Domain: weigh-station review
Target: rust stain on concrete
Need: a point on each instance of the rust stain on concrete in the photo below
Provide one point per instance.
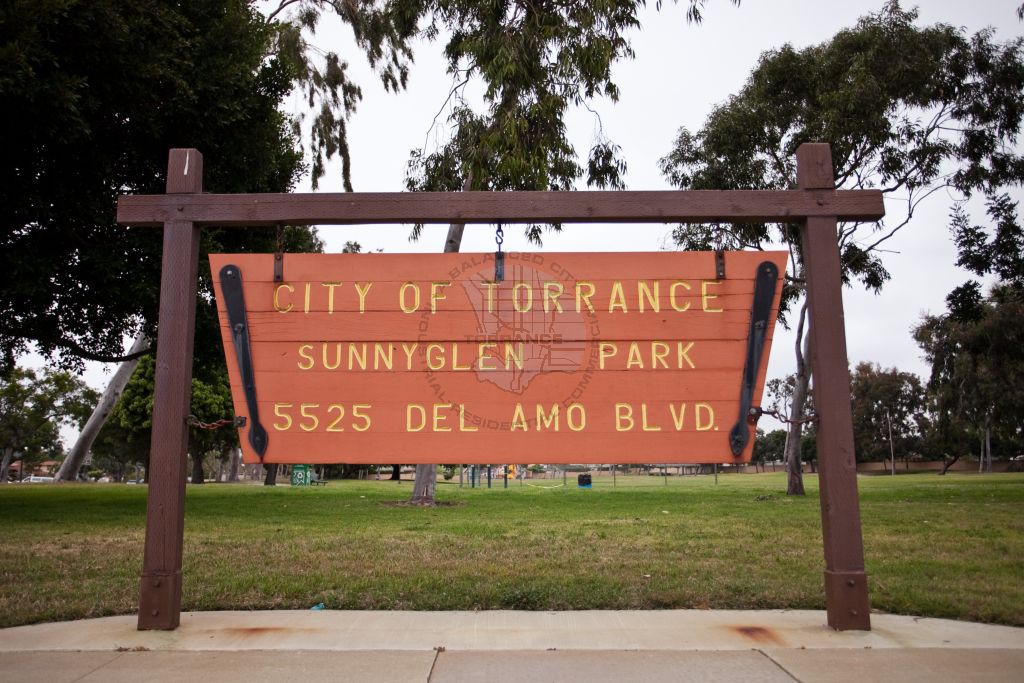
(758, 634)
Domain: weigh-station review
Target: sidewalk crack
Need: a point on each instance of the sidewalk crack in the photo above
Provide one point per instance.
(91, 672)
(781, 668)
(437, 653)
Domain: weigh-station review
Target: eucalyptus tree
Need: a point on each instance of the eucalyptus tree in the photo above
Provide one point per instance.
(910, 110)
(33, 407)
(977, 369)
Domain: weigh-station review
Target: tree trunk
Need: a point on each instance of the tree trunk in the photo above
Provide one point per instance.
(197, 470)
(5, 464)
(946, 465)
(794, 465)
(988, 449)
(236, 455)
(76, 456)
(426, 475)
(396, 473)
(424, 486)
(271, 479)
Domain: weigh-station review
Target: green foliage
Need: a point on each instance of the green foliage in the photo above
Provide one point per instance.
(882, 400)
(380, 30)
(536, 59)
(97, 92)
(1000, 255)
(33, 406)
(906, 109)
(125, 437)
(977, 369)
(769, 446)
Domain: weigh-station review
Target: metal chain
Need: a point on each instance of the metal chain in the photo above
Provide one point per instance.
(194, 421)
(499, 236)
(758, 412)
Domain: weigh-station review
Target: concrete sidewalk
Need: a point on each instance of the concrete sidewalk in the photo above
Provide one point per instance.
(598, 646)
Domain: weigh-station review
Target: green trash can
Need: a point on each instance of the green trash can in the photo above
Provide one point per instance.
(300, 475)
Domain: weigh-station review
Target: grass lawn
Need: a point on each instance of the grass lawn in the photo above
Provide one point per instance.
(948, 546)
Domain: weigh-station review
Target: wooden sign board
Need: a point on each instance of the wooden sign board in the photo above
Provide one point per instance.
(573, 357)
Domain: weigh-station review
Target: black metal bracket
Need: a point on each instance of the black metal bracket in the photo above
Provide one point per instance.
(719, 264)
(499, 266)
(234, 302)
(765, 282)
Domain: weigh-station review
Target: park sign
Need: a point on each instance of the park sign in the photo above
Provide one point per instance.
(543, 357)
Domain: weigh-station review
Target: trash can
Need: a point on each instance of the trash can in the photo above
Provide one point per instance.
(300, 475)
(583, 481)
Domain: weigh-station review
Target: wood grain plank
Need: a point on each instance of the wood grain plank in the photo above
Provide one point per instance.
(507, 207)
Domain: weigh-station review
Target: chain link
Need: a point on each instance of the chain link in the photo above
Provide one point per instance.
(758, 412)
(194, 421)
(499, 236)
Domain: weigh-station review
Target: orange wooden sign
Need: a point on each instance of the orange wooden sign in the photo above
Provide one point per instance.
(573, 357)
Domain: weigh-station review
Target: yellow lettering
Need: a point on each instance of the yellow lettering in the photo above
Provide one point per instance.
(357, 353)
(547, 419)
(455, 359)
(336, 425)
(363, 290)
(315, 422)
(439, 417)
(482, 355)
(415, 300)
(553, 290)
(439, 358)
(672, 296)
(287, 424)
(576, 417)
(518, 305)
(623, 417)
(643, 420)
(436, 294)
(379, 357)
(634, 356)
(330, 294)
(356, 407)
(618, 298)
(408, 354)
(491, 286)
(463, 427)
(653, 297)
(305, 356)
(337, 356)
(511, 355)
(659, 354)
(705, 296)
(518, 419)
(683, 353)
(305, 306)
(584, 298)
(677, 418)
(410, 408)
(277, 295)
(606, 350)
(709, 415)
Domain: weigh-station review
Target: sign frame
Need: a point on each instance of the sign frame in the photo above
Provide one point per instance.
(815, 204)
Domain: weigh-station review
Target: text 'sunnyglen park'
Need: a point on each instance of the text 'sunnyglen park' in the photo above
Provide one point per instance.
(612, 358)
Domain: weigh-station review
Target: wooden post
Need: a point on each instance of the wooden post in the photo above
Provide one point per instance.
(846, 589)
(160, 588)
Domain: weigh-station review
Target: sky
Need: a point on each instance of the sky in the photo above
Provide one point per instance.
(679, 73)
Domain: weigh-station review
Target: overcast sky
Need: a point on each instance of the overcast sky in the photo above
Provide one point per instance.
(680, 72)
